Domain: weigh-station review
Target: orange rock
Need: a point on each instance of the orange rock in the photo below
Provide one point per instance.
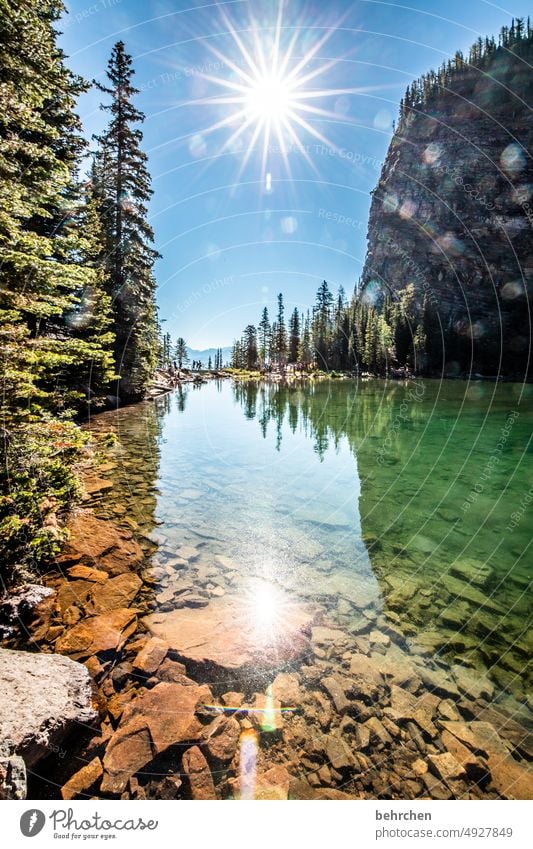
(116, 592)
(97, 542)
(83, 780)
(87, 573)
(198, 774)
(151, 655)
(98, 633)
(157, 719)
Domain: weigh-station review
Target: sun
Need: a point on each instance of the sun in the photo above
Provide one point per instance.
(269, 100)
(270, 92)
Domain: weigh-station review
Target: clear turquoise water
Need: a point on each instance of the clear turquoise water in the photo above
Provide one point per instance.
(411, 498)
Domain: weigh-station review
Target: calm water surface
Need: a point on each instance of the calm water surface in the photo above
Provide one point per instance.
(407, 502)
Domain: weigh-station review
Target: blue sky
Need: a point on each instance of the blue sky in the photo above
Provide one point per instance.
(233, 233)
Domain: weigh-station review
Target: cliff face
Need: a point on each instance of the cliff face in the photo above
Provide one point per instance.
(453, 210)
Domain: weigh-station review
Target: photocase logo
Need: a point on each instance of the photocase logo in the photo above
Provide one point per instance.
(32, 822)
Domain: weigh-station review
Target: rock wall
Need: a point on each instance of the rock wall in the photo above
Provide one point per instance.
(453, 210)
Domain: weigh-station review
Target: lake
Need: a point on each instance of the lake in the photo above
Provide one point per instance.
(392, 518)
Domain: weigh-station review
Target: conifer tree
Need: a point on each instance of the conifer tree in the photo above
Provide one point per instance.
(124, 191)
(265, 337)
(181, 354)
(41, 276)
(294, 336)
(279, 334)
(250, 346)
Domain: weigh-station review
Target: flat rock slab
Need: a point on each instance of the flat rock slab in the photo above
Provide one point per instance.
(235, 632)
(96, 542)
(98, 633)
(161, 717)
(42, 698)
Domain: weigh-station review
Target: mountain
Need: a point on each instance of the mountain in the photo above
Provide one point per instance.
(452, 213)
(204, 355)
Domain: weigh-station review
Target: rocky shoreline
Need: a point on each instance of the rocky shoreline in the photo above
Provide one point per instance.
(182, 696)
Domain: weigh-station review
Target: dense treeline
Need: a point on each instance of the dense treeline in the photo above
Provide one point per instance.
(77, 309)
(363, 334)
(458, 69)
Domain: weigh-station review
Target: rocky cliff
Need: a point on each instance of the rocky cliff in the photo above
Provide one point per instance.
(453, 210)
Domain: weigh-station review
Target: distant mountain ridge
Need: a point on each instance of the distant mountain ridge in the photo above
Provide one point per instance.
(203, 356)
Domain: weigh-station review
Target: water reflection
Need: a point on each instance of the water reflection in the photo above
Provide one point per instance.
(346, 495)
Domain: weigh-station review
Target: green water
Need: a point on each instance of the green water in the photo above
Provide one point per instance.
(407, 502)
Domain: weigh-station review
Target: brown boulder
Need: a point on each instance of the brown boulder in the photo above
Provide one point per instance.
(286, 689)
(82, 780)
(160, 718)
(151, 655)
(116, 592)
(129, 749)
(222, 738)
(88, 573)
(98, 633)
(96, 542)
(198, 774)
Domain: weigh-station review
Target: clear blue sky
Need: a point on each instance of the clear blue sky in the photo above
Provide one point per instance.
(233, 237)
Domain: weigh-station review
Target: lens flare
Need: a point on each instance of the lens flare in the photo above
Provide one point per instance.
(272, 93)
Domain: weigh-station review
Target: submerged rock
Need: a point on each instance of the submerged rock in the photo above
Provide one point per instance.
(161, 717)
(43, 698)
(234, 633)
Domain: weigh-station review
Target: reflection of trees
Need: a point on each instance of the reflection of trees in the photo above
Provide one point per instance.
(419, 455)
(137, 457)
(246, 395)
(181, 397)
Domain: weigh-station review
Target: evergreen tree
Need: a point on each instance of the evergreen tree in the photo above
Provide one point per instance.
(209, 364)
(123, 190)
(279, 334)
(43, 274)
(250, 346)
(306, 351)
(322, 325)
(181, 355)
(294, 336)
(265, 338)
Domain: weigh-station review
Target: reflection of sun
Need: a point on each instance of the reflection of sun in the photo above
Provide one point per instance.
(270, 91)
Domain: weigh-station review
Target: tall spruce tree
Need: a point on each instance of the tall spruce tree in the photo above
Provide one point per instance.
(265, 337)
(43, 274)
(294, 336)
(279, 334)
(123, 190)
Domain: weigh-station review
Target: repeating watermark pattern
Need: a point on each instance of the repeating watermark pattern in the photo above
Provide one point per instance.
(81, 16)
(207, 289)
(517, 515)
(414, 395)
(185, 72)
(491, 463)
(411, 267)
(335, 217)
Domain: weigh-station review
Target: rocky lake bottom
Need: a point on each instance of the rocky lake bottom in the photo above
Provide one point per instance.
(279, 593)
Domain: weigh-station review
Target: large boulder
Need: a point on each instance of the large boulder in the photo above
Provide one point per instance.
(43, 697)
